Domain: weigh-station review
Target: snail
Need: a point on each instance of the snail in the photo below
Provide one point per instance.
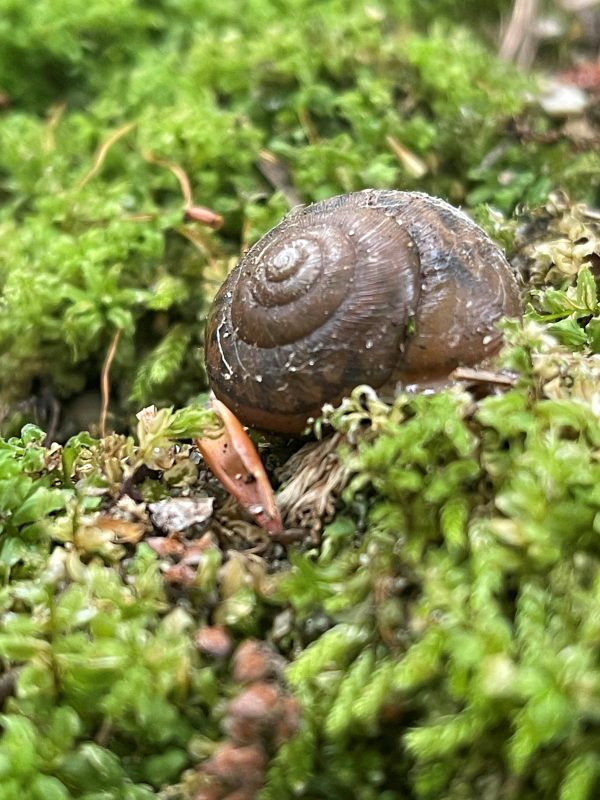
(378, 287)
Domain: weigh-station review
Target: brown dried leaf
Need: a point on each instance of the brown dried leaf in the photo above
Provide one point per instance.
(234, 460)
(122, 530)
(166, 547)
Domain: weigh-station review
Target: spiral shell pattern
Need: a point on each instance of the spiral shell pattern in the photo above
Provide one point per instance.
(373, 287)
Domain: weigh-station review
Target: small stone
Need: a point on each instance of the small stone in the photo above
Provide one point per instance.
(563, 100)
(179, 513)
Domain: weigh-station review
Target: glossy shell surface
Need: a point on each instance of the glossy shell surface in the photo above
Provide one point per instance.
(375, 287)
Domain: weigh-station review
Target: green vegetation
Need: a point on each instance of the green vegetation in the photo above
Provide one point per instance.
(463, 642)
(102, 97)
(442, 636)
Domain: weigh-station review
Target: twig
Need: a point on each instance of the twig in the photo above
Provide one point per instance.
(102, 152)
(278, 175)
(201, 214)
(578, 5)
(105, 384)
(519, 40)
(180, 174)
(54, 118)
(8, 684)
(104, 732)
(53, 421)
(475, 375)
(195, 238)
(308, 126)
(414, 165)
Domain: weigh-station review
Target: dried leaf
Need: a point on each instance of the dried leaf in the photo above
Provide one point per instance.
(166, 547)
(180, 574)
(146, 415)
(122, 530)
(233, 459)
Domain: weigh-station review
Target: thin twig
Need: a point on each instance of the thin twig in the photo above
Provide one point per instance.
(206, 216)
(104, 731)
(519, 40)
(56, 113)
(308, 126)
(278, 175)
(194, 238)
(105, 383)
(53, 421)
(475, 375)
(102, 152)
(180, 174)
(578, 5)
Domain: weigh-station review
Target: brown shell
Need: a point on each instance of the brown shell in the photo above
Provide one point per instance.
(375, 287)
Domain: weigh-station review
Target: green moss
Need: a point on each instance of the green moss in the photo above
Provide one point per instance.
(92, 235)
(443, 635)
(461, 634)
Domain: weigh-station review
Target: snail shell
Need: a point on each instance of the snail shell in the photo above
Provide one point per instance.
(375, 287)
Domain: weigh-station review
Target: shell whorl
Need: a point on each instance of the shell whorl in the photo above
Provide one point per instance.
(372, 287)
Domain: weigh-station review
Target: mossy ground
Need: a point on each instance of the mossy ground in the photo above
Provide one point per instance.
(441, 632)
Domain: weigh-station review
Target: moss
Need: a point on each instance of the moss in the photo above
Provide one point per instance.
(460, 634)
(441, 637)
(92, 229)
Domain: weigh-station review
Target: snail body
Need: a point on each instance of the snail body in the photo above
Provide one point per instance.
(377, 287)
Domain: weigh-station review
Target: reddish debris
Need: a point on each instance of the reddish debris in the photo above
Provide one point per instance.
(262, 712)
(180, 574)
(214, 641)
(585, 76)
(166, 547)
(211, 792)
(256, 661)
(289, 720)
(241, 794)
(238, 766)
(256, 722)
(204, 215)
(252, 714)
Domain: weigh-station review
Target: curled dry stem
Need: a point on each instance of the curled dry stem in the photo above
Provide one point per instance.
(201, 214)
(102, 152)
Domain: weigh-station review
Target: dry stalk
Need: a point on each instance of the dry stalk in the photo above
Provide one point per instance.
(315, 477)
